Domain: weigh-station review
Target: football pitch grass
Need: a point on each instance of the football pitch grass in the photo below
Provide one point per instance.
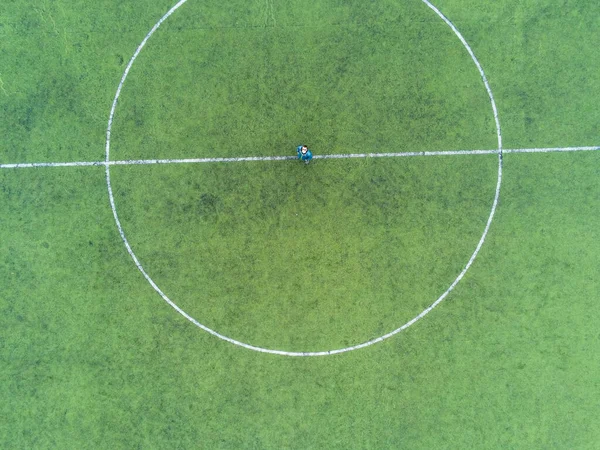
(279, 255)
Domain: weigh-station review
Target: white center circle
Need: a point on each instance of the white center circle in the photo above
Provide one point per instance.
(282, 352)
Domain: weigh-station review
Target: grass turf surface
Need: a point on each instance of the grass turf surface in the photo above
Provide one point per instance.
(90, 355)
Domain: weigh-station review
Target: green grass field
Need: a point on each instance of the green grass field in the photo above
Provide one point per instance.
(296, 258)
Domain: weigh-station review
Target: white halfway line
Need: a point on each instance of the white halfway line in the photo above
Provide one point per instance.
(287, 158)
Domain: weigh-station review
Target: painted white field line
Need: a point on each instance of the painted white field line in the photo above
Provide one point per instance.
(281, 352)
(50, 164)
(551, 149)
(289, 158)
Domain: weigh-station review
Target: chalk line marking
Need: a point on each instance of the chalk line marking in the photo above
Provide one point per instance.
(282, 352)
(289, 158)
